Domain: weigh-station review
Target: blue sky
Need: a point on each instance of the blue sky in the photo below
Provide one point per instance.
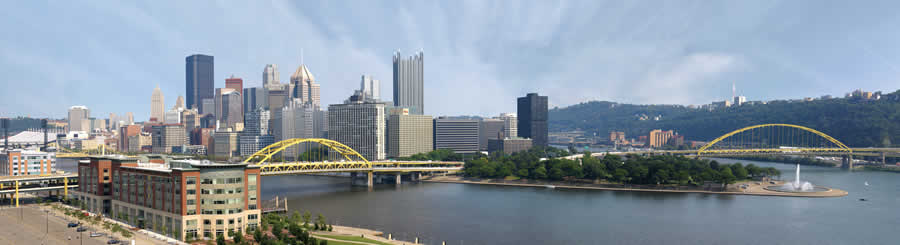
(479, 55)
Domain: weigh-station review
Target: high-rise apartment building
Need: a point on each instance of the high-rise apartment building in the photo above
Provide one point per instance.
(270, 74)
(199, 75)
(459, 135)
(157, 106)
(79, 118)
(165, 136)
(304, 86)
(181, 199)
(409, 134)
(370, 87)
(235, 83)
(409, 88)
(659, 138)
(532, 118)
(359, 125)
(490, 129)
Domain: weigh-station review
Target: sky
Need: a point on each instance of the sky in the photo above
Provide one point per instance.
(479, 55)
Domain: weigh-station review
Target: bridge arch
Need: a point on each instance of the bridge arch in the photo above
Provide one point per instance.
(838, 146)
(266, 153)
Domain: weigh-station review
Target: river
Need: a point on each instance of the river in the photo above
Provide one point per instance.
(477, 214)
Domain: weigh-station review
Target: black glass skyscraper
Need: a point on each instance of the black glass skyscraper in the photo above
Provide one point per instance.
(532, 113)
(198, 81)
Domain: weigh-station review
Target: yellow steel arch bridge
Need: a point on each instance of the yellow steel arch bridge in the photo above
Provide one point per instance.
(333, 156)
(776, 138)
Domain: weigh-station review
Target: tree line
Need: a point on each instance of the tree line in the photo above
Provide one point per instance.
(630, 169)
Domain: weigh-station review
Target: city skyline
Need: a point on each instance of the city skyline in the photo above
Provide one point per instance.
(691, 61)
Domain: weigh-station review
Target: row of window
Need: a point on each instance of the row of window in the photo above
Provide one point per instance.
(219, 181)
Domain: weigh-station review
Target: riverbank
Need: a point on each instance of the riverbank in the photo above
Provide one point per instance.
(754, 188)
(354, 235)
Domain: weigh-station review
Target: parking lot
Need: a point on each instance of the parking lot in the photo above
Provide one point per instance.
(31, 225)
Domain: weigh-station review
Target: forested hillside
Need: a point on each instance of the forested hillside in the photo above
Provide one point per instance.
(856, 122)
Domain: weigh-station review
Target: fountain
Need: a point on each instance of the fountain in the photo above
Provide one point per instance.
(797, 186)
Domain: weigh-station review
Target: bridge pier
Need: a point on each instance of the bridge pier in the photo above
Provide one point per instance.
(883, 159)
(847, 162)
(397, 181)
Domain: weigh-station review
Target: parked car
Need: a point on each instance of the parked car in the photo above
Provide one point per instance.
(113, 241)
(81, 229)
(73, 225)
(97, 234)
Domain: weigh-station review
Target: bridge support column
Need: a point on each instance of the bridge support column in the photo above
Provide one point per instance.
(65, 188)
(847, 162)
(883, 160)
(398, 178)
(17, 193)
(369, 178)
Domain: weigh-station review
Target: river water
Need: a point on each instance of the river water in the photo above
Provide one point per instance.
(478, 214)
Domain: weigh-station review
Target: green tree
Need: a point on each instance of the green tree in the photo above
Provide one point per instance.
(220, 240)
(238, 236)
(306, 218)
(726, 176)
(258, 236)
(556, 173)
(621, 175)
(540, 173)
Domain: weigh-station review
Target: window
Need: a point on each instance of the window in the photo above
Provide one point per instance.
(206, 222)
(192, 192)
(252, 217)
(191, 202)
(191, 180)
(219, 222)
(220, 191)
(191, 222)
(230, 221)
(206, 181)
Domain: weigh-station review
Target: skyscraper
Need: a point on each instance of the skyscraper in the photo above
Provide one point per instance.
(371, 87)
(532, 113)
(199, 72)
(409, 82)
(157, 106)
(304, 86)
(359, 125)
(409, 134)
(179, 103)
(489, 129)
(270, 74)
(232, 110)
(300, 120)
(235, 83)
(255, 98)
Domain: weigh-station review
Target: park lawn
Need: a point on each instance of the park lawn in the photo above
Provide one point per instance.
(351, 238)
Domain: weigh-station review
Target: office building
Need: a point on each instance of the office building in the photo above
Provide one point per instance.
(140, 142)
(98, 124)
(199, 75)
(18, 162)
(201, 136)
(532, 118)
(509, 145)
(157, 106)
(165, 136)
(370, 87)
(270, 74)
(124, 133)
(235, 83)
(181, 199)
(659, 138)
(409, 134)
(190, 120)
(277, 98)
(232, 110)
(304, 86)
(255, 98)
(256, 132)
(173, 116)
(79, 118)
(489, 129)
(409, 88)
(208, 107)
(179, 103)
(510, 124)
(459, 135)
(225, 144)
(129, 118)
(359, 125)
(301, 120)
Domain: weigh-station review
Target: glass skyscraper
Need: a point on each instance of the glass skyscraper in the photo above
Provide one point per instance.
(198, 81)
(409, 82)
(532, 113)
